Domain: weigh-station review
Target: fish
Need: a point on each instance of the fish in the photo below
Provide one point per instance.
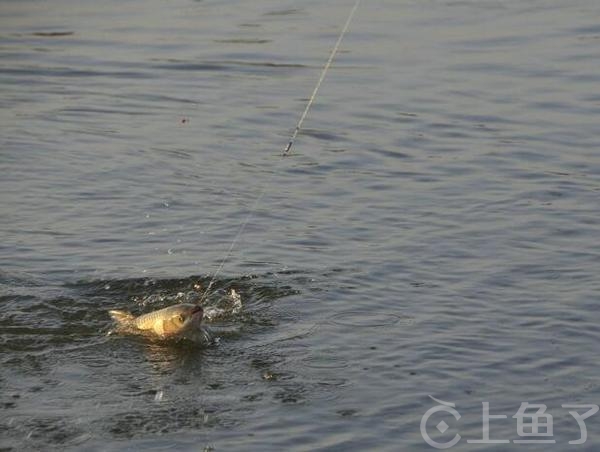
(180, 321)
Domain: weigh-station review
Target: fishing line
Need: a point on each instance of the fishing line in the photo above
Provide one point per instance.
(286, 150)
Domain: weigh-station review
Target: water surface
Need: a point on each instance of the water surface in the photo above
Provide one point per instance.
(434, 232)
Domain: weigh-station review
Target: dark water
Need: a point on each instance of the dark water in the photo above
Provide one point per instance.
(435, 231)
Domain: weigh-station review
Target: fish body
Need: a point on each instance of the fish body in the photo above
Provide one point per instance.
(177, 321)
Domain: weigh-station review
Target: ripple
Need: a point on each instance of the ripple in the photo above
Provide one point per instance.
(362, 319)
(242, 41)
(283, 12)
(53, 34)
(326, 360)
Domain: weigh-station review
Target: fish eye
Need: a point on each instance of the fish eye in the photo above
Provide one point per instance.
(181, 318)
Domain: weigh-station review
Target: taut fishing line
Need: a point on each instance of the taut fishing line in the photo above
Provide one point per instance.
(285, 152)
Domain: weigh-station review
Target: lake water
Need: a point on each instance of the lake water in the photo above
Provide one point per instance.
(434, 232)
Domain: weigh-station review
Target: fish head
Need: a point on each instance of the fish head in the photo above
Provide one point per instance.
(182, 318)
(197, 314)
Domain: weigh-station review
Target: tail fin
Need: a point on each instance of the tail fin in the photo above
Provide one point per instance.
(121, 317)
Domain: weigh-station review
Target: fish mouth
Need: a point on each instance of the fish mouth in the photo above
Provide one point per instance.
(197, 310)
